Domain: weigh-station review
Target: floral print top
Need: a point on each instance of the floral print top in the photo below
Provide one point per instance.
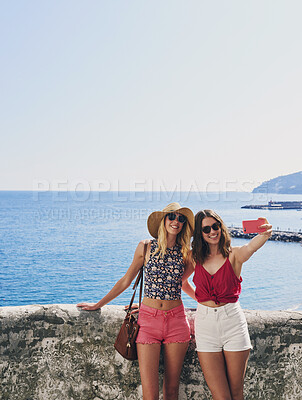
(163, 275)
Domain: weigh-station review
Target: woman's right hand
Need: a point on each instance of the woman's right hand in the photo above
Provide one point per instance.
(88, 306)
(122, 284)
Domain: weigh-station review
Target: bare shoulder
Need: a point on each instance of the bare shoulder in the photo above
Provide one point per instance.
(233, 253)
(235, 260)
(143, 242)
(234, 249)
(141, 246)
(139, 251)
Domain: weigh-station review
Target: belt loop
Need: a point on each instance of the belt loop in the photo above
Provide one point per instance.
(203, 309)
(225, 310)
(155, 312)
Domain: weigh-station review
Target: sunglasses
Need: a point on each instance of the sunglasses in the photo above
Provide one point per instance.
(180, 218)
(207, 229)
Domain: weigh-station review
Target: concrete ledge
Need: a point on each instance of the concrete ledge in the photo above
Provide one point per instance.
(57, 352)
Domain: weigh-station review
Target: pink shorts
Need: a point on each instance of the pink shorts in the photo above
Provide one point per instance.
(157, 326)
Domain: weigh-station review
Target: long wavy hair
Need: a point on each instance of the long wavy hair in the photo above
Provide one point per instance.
(200, 248)
(183, 239)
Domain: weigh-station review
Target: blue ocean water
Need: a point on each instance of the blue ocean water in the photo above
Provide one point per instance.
(67, 247)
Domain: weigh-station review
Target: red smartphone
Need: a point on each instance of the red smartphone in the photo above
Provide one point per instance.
(252, 226)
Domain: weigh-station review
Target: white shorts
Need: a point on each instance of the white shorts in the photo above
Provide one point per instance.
(221, 328)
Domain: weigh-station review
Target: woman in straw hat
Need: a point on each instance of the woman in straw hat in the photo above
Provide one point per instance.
(162, 318)
(222, 339)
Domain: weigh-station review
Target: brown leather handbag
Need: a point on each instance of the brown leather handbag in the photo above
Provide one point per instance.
(125, 341)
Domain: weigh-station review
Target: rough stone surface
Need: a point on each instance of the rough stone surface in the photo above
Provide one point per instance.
(57, 352)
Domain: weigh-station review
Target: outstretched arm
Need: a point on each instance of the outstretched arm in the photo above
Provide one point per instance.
(243, 253)
(123, 283)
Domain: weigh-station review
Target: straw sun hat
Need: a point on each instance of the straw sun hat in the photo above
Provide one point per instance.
(155, 218)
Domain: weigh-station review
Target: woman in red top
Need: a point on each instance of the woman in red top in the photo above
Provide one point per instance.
(222, 338)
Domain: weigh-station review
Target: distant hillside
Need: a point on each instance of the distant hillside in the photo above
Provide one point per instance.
(286, 184)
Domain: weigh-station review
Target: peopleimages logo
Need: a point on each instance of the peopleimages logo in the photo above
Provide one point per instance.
(140, 190)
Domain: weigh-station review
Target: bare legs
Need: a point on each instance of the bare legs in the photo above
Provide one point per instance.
(148, 358)
(224, 373)
(213, 368)
(174, 354)
(236, 362)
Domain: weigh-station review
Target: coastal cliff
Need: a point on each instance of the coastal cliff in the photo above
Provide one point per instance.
(58, 352)
(285, 184)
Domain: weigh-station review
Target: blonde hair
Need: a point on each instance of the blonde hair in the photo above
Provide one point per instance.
(183, 239)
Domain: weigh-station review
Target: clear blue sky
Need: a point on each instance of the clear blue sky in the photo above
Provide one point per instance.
(149, 93)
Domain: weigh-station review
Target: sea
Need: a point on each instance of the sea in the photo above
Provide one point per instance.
(70, 247)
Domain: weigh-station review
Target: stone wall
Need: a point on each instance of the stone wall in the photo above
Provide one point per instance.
(57, 352)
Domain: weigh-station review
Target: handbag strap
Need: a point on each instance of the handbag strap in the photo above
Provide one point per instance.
(139, 279)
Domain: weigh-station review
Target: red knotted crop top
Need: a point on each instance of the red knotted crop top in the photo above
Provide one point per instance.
(222, 287)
